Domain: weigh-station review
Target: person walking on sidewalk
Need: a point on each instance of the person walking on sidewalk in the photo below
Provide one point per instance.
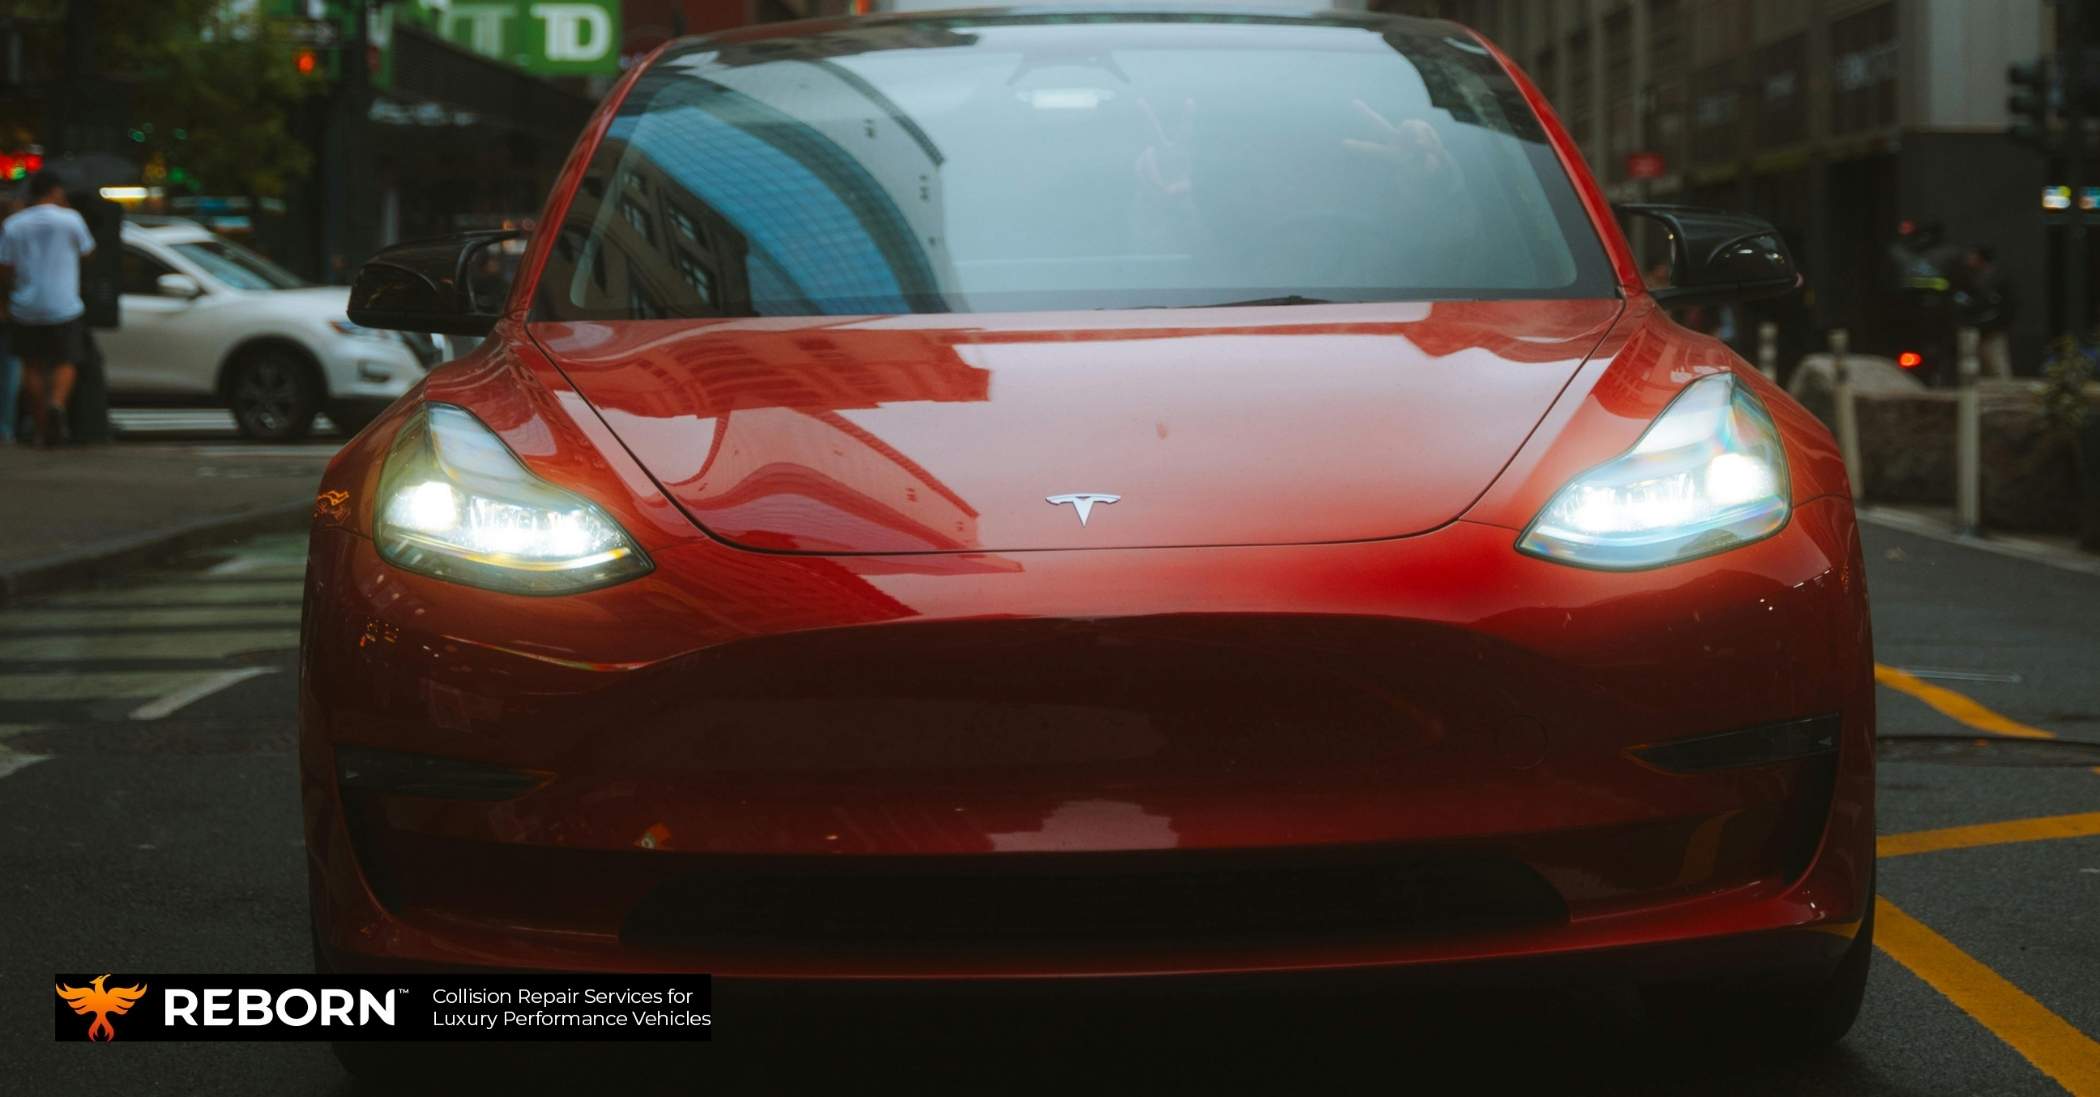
(10, 368)
(40, 252)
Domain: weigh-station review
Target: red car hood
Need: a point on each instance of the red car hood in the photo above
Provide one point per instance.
(948, 433)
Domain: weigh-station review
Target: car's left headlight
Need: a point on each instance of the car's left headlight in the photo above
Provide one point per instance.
(455, 503)
(1708, 475)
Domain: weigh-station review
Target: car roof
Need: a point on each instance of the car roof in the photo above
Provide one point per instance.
(167, 230)
(905, 11)
(1177, 7)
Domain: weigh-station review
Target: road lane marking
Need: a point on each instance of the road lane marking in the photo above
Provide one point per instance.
(2051, 1043)
(274, 593)
(2082, 825)
(92, 686)
(1951, 674)
(196, 691)
(1956, 705)
(58, 620)
(77, 647)
(15, 761)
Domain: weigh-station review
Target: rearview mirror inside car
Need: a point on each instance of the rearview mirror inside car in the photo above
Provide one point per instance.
(455, 285)
(1718, 257)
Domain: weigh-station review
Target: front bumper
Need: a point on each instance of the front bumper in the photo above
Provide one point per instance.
(783, 768)
(369, 372)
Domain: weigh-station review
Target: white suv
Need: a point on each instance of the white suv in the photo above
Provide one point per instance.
(205, 319)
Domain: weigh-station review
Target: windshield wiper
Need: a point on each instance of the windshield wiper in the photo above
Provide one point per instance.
(1258, 302)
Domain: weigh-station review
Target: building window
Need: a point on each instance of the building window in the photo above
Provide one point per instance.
(695, 275)
(683, 222)
(1777, 83)
(639, 218)
(1581, 88)
(1665, 75)
(640, 305)
(1717, 113)
(1863, 70)
(1621, 117)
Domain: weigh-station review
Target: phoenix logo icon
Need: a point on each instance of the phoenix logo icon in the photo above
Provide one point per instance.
(103, 1003)
(1083, 502)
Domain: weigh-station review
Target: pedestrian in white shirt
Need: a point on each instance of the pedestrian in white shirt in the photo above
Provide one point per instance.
(40, 252)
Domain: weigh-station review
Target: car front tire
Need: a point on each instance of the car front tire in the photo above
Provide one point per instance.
(273, 395)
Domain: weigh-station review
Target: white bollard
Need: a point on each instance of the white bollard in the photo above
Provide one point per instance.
(1968, 434)
(1768, 350)
(1847, 417)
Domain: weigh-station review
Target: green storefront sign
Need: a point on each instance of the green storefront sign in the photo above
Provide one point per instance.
(546, 37)
(542, 37)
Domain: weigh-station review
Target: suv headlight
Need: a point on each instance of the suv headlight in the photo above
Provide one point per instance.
(456, 504)
(359, 331)
(1708, 475)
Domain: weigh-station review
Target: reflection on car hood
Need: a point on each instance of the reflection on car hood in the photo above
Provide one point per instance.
(950, 433)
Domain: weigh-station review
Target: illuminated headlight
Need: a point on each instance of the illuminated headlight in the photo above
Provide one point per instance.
(1709, 475)
(454, 503)
(358, 331)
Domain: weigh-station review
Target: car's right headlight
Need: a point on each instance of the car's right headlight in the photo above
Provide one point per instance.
(455, 503)
(1708, 475)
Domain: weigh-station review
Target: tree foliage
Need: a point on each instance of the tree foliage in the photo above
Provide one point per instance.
(214, 90)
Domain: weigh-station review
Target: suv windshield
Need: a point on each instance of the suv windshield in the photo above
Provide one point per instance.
(993, 163)
(237, 266)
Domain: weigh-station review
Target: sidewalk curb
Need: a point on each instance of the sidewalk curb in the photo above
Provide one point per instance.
(2018, 548)
(74, 567)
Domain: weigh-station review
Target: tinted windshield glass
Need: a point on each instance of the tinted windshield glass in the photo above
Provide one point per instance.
(987, 164)
(237, 266)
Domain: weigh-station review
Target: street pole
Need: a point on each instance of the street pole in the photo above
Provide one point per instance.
(2071, 64)
(347, 166)
(1968, 435)
(1844, 412)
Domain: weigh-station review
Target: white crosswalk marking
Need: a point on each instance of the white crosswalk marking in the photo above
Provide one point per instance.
(196, 690)
(163, 594)
(12, 760)
(187, 421)
(146, 650)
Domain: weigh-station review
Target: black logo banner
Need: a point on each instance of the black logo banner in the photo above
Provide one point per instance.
(539, 1006)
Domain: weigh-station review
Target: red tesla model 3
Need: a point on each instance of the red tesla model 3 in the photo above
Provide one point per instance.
(1065, 494)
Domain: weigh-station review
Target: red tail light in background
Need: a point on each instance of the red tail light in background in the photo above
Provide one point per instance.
(1910, 359)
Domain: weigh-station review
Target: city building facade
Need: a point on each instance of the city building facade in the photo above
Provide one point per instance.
(1845, 122)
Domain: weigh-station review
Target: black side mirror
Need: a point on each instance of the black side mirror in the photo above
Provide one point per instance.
(450, 286)
(1717, 257)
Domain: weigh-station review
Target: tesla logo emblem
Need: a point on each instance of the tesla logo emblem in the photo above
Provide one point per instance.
(1083, 502)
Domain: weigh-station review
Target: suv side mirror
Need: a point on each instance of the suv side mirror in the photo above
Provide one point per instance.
(178, 285)
(445, 286)
(1717, 257)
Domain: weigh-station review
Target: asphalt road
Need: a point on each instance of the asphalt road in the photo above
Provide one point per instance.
(149, 822)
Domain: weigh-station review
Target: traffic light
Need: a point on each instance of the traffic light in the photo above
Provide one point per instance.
(2028, 102)
(307, 62)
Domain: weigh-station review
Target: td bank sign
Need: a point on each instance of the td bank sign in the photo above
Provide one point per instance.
(549, 37)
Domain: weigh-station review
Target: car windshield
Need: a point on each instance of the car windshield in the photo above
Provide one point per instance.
(236, 266)
(996, 163)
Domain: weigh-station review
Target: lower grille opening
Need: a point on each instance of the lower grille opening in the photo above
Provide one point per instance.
(1091, 897)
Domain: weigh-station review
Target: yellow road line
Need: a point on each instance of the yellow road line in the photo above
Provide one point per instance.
(1955, 705)
(2049, 1042)
(2083, 825)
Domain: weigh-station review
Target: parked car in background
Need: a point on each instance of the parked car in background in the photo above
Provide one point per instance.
(208, 321)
